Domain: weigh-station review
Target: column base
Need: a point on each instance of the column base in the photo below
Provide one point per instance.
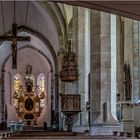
(105, 129)
(128, 126)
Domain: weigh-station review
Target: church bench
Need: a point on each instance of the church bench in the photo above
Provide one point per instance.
(115, 133)
(122, 133)
(4, 134)
(137, 134)
(128, 134)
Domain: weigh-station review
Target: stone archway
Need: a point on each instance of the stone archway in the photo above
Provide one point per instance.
(50, 73)
(53, 71)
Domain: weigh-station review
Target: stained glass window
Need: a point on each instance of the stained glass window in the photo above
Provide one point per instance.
(41, 84)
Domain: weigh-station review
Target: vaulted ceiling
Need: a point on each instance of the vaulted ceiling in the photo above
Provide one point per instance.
(38, 19)
(48, 21)
(41, 20)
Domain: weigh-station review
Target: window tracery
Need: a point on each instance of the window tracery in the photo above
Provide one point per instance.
(41, 85)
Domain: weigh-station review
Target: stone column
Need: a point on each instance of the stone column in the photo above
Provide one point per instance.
(120, 58)
(72, 87)
(52, 92)
(82, 47)
(128, 47)
(56, 92)
(101, 74)
(95, 81)
(128, 118)
(2, 96)
(136, 60)
(48, 98)
(61, 53)
(105, 69)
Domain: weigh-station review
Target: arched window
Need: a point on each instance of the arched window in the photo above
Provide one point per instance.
(41, 84)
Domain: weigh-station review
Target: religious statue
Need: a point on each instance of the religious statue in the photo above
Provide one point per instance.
(14, 55)
(14, 38)
(29, 105)
(70, 106)
(70, 102)
(127, 82)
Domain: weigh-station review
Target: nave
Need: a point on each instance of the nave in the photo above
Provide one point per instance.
(71, 68)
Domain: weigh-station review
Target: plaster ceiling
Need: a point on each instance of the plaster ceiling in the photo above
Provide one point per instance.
(38, 19)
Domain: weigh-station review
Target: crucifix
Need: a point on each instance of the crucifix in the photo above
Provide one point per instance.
(14, 38)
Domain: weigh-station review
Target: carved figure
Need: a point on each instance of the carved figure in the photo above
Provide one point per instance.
(127, 82)
(14, 55)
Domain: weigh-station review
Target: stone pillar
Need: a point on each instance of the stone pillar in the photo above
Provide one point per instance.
(48, 98)
(136, 61)
(100, 83)
(72, 87)
(95, 82)
(82, 47)
(105, 69)
(128, 47)
(2, 96)
(52, 94)
(61, 53)
(120, 58)
(128, 118)
(81, 44)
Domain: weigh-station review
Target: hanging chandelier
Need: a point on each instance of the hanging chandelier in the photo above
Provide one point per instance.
(69, 72)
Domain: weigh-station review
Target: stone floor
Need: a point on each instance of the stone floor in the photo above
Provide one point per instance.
(70, 138)
(62, 135)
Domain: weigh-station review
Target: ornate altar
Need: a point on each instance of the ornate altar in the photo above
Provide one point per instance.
(28, 105)
(70, 106)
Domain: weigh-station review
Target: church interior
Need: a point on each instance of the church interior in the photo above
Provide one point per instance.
(70, 67)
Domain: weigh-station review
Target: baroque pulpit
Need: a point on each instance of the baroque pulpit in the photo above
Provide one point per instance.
(70, 106)
(70, 103)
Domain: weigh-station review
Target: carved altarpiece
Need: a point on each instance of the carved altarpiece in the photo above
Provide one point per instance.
(28, 100)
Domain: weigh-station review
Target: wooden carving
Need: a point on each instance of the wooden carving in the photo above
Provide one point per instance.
(70, 106)
(69, 72)
(70, 102)
(14, 38)
(127, 82)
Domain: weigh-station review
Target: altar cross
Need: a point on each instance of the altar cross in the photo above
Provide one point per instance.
(14, 38)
